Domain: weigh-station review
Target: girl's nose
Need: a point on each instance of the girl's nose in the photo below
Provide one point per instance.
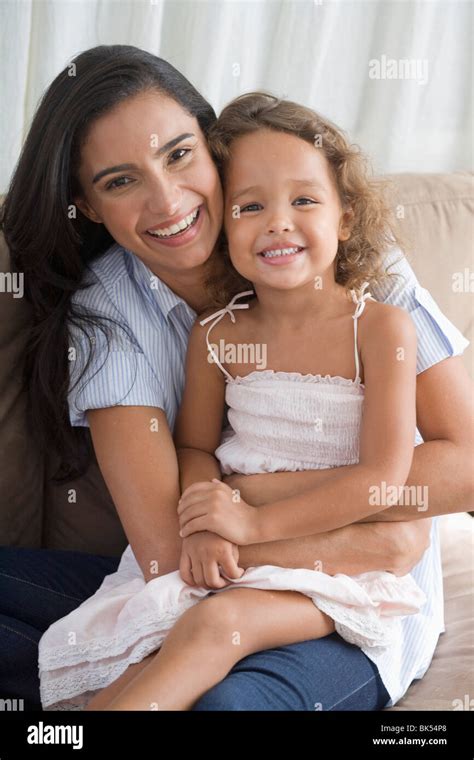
(278, 225)
(279, 221)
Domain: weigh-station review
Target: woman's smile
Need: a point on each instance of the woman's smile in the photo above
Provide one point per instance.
(178, 233)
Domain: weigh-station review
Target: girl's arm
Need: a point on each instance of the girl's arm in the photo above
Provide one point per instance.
(388, 351)
(139, 465)
(443, 463)
(198, 426)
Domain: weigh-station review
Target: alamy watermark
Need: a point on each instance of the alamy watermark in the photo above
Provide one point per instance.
(238, 353)
(407, 496)
(402, 68)
(12, 282)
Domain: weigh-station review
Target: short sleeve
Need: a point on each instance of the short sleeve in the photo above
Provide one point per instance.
(437, 337)
(117, 373)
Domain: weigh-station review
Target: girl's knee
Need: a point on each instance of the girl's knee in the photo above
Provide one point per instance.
(216, 616)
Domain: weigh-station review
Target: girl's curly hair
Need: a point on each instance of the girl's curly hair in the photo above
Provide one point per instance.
(358, 259)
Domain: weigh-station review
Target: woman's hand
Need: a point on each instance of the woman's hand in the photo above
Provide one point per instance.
(201, 555)
(215, 507)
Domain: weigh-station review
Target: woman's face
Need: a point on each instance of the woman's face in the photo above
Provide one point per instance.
(147, 175)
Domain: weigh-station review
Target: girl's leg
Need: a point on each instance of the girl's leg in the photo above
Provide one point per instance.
(105, 696)
(207, 641)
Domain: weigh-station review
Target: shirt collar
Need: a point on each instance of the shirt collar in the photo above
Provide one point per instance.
(166, 300)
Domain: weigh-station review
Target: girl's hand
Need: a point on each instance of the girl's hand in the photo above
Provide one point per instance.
(201, 555)
(215, 507)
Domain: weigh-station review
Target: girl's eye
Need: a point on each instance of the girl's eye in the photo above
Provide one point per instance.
(118, 182)
(249, 207)
(179, 153)
(306, 201)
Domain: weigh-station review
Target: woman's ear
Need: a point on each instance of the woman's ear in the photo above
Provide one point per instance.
(345, 224)
(87, 210)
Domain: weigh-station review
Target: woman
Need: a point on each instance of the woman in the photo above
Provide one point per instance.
(116, 163)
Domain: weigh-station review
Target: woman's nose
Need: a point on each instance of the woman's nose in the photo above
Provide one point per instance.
(163, 197)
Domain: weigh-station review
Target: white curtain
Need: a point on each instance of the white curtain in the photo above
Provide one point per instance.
(394, 74)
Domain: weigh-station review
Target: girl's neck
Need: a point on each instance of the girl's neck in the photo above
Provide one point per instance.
(290, 309)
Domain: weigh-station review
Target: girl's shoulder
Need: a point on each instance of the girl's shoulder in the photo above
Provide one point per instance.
(381, 321)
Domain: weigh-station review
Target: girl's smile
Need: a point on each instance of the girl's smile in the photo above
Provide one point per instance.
(281, 253)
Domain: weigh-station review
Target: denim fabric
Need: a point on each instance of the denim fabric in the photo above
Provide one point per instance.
(38, 586)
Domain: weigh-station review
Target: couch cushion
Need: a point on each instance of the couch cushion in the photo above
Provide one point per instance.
(448, 683)
(22, 465)
(434, 213)
(80, 515)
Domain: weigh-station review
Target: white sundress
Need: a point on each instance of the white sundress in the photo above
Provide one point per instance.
(274, 426)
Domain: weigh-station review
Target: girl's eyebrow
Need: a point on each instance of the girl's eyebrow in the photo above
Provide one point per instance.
(159, 152)
(310, 182)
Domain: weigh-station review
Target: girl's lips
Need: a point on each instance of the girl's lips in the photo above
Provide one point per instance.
(181, 238)
(281, 260)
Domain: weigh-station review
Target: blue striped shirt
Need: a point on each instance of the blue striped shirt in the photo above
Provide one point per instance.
(145, 367)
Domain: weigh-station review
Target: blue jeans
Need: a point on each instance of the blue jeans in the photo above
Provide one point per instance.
(39, 586)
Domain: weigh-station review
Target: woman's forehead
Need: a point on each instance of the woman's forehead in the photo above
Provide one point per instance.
(146, 118)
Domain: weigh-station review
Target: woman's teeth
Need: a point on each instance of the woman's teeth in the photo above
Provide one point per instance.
(280, 252)
(175, 228)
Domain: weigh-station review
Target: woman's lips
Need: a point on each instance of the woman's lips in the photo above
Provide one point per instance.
(181, 238)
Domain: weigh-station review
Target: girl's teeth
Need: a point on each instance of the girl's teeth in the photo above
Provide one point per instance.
(182, 225)
(280, 252)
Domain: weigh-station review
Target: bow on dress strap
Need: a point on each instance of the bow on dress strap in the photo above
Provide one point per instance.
(217, 316)
(360, 300)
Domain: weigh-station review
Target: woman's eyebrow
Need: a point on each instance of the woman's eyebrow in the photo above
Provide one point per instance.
(159, 152)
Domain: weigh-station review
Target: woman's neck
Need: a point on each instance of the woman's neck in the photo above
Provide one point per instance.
(188, 285)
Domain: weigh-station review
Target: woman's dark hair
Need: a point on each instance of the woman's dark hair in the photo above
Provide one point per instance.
(53, 250)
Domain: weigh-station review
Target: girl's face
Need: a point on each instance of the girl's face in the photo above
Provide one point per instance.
(283, 217)
(146, 174)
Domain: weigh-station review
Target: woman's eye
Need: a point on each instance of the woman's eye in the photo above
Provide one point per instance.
(305, 201)
(176, 155)
(250, 207)
(119, 182)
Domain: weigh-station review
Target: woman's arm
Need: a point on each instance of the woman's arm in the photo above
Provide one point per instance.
(137, 458)
(393, 546)
(445, 411)
(198, 426)
(141, 472)
(388, 350)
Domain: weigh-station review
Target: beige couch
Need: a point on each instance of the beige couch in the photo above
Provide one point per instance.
(435, 213)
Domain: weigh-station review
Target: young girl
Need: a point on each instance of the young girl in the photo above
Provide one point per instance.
(316, 375)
